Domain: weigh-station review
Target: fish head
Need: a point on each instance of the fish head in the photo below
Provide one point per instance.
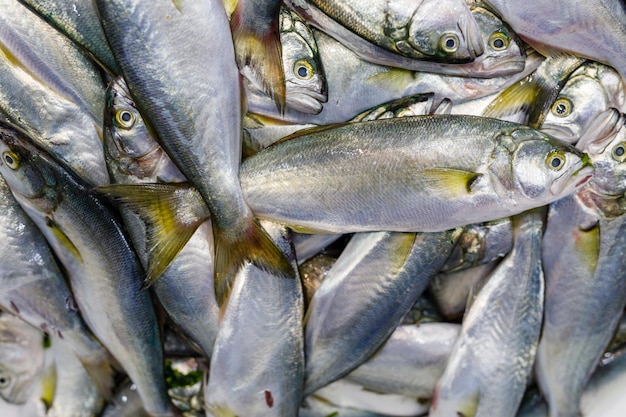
(21, 359)
(21, 167)
(504, 52)
(536, 169)
(445, 30)
(305, 83)
(129, 145)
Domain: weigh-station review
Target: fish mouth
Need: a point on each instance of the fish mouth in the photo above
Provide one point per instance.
(495, 66)
(306, 101)
(568, 183)
(564, 133)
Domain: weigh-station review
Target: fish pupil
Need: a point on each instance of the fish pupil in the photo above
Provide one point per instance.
(498, 43)
(561, 108)
(556, 162)
(303, 72)
(450, 43)
(10, 161)
(126, 116)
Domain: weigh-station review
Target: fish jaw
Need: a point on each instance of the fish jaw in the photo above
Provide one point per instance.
(568, 184)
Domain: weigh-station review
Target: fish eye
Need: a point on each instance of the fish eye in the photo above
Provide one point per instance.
(449, 43)
(498, 41)
(619, 152)
(562, 107)
(555, 160)
(5, 381)
(303, 69)
(124, 118)
(11, 159)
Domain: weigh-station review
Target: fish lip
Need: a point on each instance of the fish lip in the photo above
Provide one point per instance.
(576, 180)
(306, 103)
(562, 132)
(493, 66)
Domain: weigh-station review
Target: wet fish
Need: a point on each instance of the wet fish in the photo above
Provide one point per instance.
(185, 289)
(203, 141)
(426, 30)
(493, 356)
(364, 297)
(258, 361)
(104, 273)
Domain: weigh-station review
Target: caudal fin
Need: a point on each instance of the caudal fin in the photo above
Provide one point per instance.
(259, 53)
(171, 213)
(253, 245)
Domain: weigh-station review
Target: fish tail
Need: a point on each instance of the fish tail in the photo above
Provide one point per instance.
(260, 53)
(255, 246)
(171, 213)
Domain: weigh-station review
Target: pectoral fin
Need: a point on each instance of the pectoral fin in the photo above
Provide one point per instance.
(63, 239)
(449, 183)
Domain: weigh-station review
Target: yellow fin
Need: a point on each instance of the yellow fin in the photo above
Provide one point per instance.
(48, 385)
(171, 213)
(587, 244)
(451, 183)
(260, 52)
(520, 96)
(229, 6)
(63, 239)
(394, 79)
(252, 245)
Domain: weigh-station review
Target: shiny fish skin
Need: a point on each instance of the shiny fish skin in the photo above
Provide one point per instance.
(257, 365)
(364, 297)
(493, 357)
(150, 41)
(405, 191)
(104, 273)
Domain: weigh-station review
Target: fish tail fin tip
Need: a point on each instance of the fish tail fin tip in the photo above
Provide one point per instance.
(260, 57)
(255, 247)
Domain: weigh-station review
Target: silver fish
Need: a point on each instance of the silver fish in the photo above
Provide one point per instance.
(257, 365)
(493, 356)
(149, 42)
(445, 171)
(103, 270)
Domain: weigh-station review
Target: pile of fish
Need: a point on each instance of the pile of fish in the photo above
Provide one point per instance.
(311, 207)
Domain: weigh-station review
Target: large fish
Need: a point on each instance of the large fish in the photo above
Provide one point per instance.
(104, 272)
(591, 29)
(181, 76)
(493, 357)
(185, 289)
(585, 283)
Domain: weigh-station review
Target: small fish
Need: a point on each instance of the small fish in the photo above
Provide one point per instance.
(21, 359)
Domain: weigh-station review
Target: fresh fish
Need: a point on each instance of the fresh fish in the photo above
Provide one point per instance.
(149, 41)
(590, 90)
(585, 287)
(493, 357)
(104, 273)
(21, 359)
(75, 393)
(257, 365)
(441, 31)
(79, 21)
(34, 289)
(185, 289)
(51, 90)
(258, 50)
(364, 297)
(410, 362)
(423, 173)
(590, 29)
(305, 83)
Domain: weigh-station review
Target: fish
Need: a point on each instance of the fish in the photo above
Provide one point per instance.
(578, 27)
(21, 359)
(425, 30)
(493, 356)
(105, 275)
(185, 289)
(258, 363)
(376, 280)
(203, 141)
(585, 292)
(35, 290)
(79, 21)
(305, 82)
(439, 164)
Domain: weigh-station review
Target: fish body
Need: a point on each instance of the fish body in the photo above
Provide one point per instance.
(80, 22)
(163, 49)
(493, 357)
(366, 293)
(258, 361)
(104, 273)
(185, 289)
(585, 289)
(405, 174)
